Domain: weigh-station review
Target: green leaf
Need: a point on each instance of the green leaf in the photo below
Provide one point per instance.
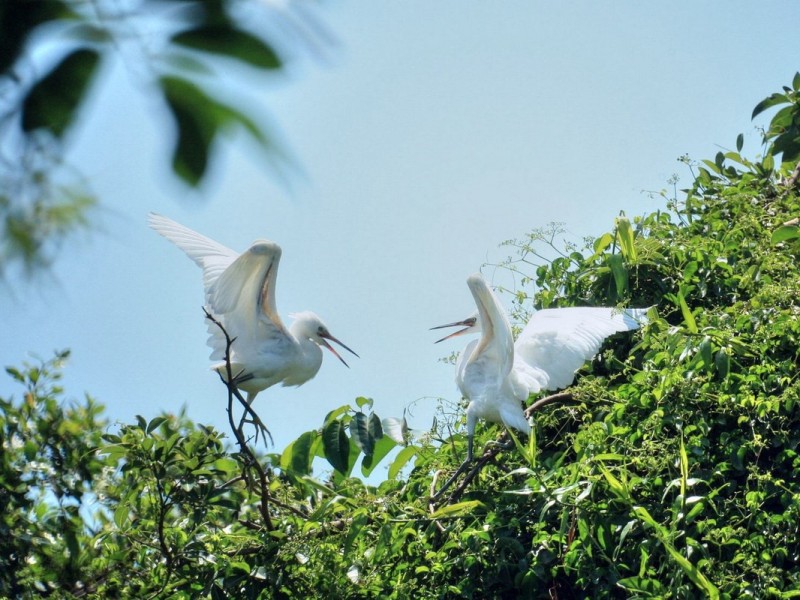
(691, 571)
(616, 262)
(460, 508)
(359, 431)
(154, 424)
(194, 114)
(401, 459)
(53, 101)
(688, 317)
(771, 100)
(336, 445)
(122, 515)
(361, 402)
(651, 588)
(382, 447)
(603, 242)
(226, 40)
(785, 233)
(374, 426)
(336, 413)
(739, 142)
(297, 456)
(626, 238)
(722, 361)
(705, 353)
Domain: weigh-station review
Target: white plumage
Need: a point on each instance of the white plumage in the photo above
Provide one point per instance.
(496, 374)
(240, 294)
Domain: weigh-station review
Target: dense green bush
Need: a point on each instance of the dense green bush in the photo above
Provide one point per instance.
(671, 469)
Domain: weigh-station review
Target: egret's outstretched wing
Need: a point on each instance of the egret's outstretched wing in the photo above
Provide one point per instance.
(557, 342)
(211, 256)
(244, 295)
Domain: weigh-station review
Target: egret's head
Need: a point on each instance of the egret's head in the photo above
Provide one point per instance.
(471, 324)
(310, 326)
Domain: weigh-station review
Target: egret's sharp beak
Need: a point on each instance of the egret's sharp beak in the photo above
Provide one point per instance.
(467, 324)
(335, 353)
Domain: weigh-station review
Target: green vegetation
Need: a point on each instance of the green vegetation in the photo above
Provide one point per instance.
(671, 469)
(52, 57)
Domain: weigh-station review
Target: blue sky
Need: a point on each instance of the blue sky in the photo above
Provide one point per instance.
(431, 133)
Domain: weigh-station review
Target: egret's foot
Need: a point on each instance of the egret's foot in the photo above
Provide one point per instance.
(507, 445)
(259, 426)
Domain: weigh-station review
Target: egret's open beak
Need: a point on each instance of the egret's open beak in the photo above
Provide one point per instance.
(467, 324)
(335, 353)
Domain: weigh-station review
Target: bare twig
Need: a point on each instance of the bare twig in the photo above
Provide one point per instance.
(250, 459)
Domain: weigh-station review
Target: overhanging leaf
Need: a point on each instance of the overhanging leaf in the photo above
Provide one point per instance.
(195, 116)
(53, 101)
(226, 40)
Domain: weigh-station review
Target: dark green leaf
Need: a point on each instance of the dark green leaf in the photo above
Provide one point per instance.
(226, 40)
(336, 445)
(301, 458)
(739, 142)
(53, 101)
(195, 116)
(374, 426)
(155, 423)
(359, 431)
(768, 102)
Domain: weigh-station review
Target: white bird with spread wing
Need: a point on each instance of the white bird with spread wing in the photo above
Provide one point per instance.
(496, 374)
(240, 294)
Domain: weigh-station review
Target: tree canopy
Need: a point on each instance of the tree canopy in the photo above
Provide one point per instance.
(671, 469)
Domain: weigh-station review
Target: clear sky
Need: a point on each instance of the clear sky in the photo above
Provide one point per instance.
(432, 132)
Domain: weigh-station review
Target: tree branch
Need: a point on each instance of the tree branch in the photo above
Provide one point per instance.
(250, 459)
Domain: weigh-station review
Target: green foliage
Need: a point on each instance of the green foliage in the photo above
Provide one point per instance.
(672, 472)
(182, 53)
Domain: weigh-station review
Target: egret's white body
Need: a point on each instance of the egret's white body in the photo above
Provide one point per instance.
(240, 294)
(497, 374)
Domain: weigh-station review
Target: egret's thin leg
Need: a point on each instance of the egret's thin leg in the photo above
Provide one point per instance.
(463, 467)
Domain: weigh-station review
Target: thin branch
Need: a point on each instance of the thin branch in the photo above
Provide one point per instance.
(246, 452)
(492, 451)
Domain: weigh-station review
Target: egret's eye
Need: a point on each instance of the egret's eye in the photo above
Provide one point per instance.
(321, 331)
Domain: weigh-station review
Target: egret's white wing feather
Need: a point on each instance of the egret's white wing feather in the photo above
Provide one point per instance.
(209, 255)
(557, 342)
(244, 295)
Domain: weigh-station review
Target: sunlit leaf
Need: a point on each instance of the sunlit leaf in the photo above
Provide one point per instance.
(459, 508)
(401, 459)
(382, 447)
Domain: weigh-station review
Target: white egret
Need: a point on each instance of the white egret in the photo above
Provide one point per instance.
(240, 294)
(496, 374)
